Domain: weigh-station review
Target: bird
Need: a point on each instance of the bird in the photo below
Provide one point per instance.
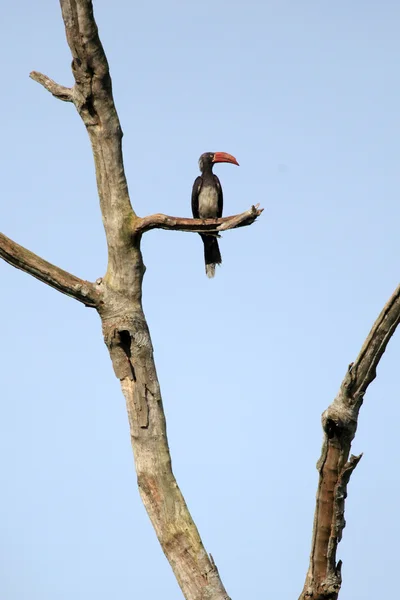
(207, 203)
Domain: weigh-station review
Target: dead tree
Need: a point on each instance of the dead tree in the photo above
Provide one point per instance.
(335, 465)
(117, 297)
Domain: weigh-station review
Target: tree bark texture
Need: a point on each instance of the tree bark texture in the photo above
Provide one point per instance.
(339, 423)
(118, 299)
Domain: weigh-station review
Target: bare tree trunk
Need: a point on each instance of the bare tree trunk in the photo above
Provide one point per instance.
(118, 299)
(339, 423)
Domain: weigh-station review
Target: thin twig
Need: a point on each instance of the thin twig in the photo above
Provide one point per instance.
(59, 91)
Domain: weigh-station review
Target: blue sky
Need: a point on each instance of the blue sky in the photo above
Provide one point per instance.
(306, 96)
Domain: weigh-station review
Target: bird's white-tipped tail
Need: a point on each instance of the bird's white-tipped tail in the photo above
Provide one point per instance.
(212, 255)
(210, 270)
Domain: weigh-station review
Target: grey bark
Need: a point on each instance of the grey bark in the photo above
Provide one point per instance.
(335, 466)
(118, 299)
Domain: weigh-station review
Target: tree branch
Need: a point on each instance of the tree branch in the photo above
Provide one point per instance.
(58, 91)
(64, 282)
(215, 226)
(339, 423)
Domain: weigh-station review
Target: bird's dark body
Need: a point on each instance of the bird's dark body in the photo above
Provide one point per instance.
(207, 197)
(207, 203)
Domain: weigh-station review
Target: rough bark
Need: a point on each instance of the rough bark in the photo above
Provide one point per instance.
(64, 282)
(118, 299)
(160, 221)
(339, 423)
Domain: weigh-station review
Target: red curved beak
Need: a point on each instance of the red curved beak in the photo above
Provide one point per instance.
(224, 157)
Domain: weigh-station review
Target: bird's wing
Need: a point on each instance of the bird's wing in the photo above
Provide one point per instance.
(195, 196)
(220, 197)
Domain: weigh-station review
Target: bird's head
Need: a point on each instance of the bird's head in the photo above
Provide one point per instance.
(208, 159)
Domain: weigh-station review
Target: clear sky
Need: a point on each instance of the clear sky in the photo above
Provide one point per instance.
(306, 95)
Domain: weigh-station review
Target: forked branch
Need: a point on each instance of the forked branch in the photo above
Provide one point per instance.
(64, 282)
(160, 221)
(339, 423)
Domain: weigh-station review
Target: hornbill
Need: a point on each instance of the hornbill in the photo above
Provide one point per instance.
(207, 203)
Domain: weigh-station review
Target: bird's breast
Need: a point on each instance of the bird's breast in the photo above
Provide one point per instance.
(208, 202)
